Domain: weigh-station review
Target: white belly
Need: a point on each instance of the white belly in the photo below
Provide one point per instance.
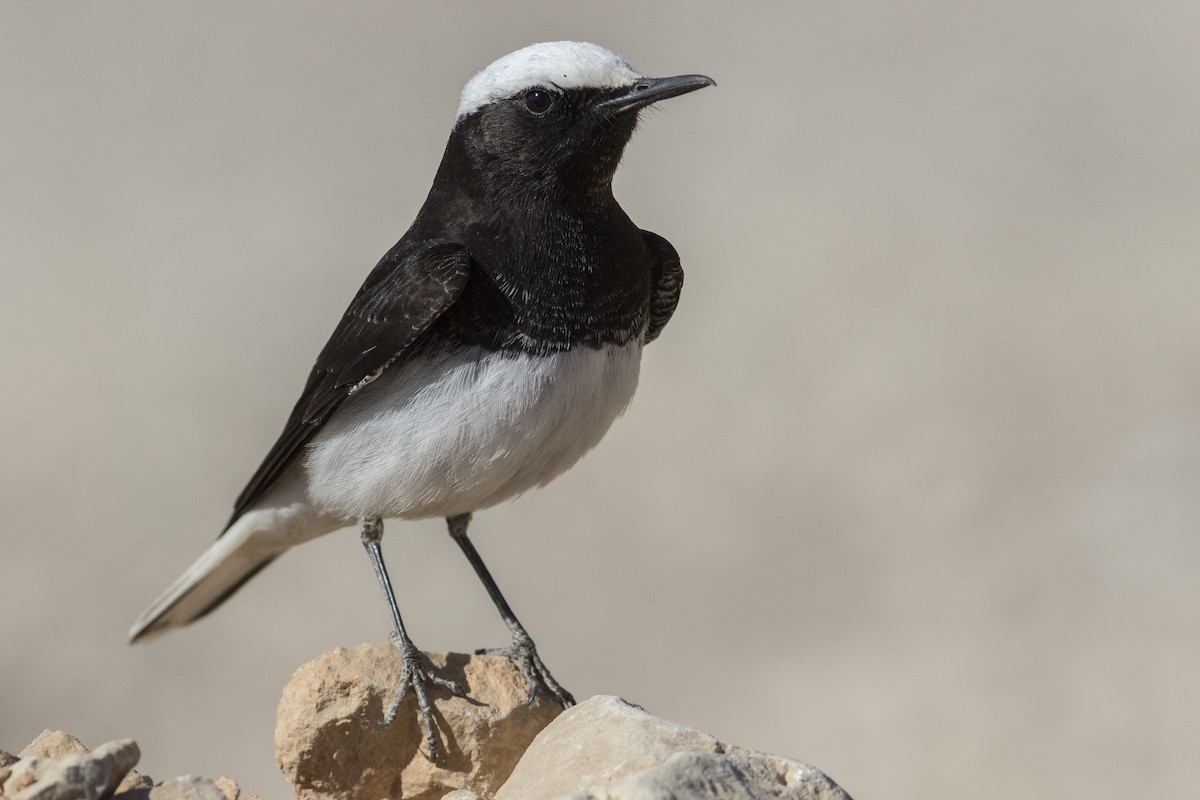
(456, 433)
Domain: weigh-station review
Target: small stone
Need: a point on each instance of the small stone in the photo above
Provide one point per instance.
(716, 776)
(463, 794)
(330, 743)
(187, 787)
(6, 764)
(73, 776)
(49, 744)
(609, 749)
(134, 781)
(228, 787)
(606, 738)
(22, 774)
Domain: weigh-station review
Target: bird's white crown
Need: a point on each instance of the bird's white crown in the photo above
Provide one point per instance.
(567, 65)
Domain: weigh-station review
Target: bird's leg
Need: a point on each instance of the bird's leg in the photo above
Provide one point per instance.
(522, 652)
(414, 673)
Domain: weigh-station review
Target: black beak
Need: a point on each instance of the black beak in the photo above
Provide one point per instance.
(651, 90)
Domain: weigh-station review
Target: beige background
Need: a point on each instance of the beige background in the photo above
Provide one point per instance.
(912, 485)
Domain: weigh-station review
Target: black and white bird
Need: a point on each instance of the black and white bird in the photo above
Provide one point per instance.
(486, 353)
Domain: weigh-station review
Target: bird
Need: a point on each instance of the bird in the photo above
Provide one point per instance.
(488, 350)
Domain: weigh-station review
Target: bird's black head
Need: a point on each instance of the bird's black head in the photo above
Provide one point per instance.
(555, 118)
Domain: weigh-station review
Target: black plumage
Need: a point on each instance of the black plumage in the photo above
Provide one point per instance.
(498, 259)
(507, 325)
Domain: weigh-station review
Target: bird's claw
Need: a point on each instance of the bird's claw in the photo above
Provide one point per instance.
(417, 673)
(524, 655)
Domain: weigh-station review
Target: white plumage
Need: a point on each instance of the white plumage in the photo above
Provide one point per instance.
(432, 437)
(566, 65)
(466, 430)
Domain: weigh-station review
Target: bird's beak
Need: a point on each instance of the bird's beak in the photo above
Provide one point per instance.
(650, 90)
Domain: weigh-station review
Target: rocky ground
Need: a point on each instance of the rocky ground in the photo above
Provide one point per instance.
(57, 766)
(493, 745)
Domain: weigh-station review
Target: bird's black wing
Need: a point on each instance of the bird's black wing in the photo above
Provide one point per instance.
(666, 281)
(410, 287)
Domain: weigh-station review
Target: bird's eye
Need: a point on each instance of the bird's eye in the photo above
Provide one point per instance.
(538, 101)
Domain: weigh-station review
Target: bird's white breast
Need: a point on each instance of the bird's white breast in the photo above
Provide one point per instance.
(464, 430)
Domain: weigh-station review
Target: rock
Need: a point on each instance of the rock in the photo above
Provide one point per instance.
(716, 776)
(49, 744)
(187, 787)
(135, 781)
(6, 762)
(329, 742)
(72, 776)
(463, 794)
(608, 749)
(57, 766)
(228, 787)
(607, 738)
(19, 776)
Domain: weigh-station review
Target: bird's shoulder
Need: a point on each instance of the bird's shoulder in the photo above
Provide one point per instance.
(416, 282)
(666, 283)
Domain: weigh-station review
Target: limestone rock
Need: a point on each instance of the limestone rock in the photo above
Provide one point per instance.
(135, 781)
(49, 744)
(52, 744)
(717, 776)
(57, 766)
(608, 749)
(229, 787)
(187, 787)
(329, 742)
(73, 775)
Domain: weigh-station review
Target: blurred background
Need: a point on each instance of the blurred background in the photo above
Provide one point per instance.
(911, 487)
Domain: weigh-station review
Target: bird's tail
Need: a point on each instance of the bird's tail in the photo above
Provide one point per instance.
(236, 557)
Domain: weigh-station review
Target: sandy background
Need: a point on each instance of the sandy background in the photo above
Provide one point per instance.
(911, 487)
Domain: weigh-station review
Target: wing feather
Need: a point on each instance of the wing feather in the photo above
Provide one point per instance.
(410, 287)
(666, 282)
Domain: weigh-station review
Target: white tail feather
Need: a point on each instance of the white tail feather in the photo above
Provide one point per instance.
(241, 551)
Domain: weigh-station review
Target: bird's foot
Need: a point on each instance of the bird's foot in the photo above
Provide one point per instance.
(417, 673)
(524, 655)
